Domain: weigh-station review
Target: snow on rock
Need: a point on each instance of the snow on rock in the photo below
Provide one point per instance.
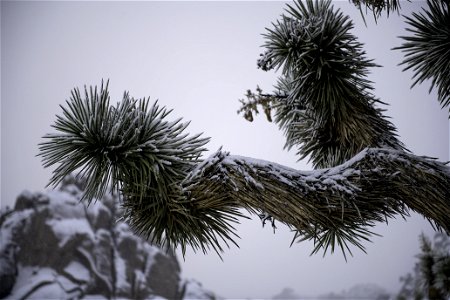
(66, 229)
(193, 289)
(52, 246)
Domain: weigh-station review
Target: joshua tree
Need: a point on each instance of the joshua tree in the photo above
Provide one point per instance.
(324, 105)
(431, 276)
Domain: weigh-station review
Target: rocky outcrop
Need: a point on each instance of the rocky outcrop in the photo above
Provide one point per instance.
(54, 246)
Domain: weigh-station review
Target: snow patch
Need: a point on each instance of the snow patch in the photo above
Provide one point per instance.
(57, 196)
(29, 278)
(194, 290)
(121, 277)
(12, 223)
(67, 228)
(78, 271)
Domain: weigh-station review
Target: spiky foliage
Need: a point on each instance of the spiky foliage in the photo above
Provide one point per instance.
(377, 6)
(427, 50)
(323, 104)
(431, 276)
(85, 123)
(132, 147)
(130, 143)
(329, 111)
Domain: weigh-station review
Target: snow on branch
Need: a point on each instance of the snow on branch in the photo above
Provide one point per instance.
(333, 206)
(175, 198)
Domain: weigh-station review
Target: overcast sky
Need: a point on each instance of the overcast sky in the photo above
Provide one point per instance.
(199, 58)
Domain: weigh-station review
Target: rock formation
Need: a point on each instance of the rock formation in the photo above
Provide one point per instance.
(54, 246)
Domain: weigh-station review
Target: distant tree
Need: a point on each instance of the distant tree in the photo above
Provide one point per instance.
(358, 291)
(324, 105)
(431, 275)
(286, 293)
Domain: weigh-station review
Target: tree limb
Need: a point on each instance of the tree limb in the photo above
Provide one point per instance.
(375, 184)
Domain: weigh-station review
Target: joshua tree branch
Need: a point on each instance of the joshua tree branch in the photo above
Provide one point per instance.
(375, 184)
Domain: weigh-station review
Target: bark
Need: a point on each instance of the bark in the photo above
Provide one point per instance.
(376, 184)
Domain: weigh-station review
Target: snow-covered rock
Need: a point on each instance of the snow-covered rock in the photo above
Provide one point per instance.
(192, 289)
(52, 246)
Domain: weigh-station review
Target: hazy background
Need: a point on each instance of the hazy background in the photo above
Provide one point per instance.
(199, 58)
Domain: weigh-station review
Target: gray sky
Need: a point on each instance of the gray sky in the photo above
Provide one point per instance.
(199, 58)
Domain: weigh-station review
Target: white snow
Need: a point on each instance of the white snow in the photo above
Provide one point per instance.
(66, 284)
(88, 256)
(72, 189)
(28, 278)
(57, 196)
(52, 290)
(121, 278)
(158, 298)
(194, 290)
(18, 218)
(67, 219)
(78, 271)
(311, 179)
(65, 229)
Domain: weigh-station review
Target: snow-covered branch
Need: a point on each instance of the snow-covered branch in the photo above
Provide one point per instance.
(340, 202)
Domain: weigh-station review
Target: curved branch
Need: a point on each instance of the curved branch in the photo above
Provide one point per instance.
(172, 196)
(338, 203)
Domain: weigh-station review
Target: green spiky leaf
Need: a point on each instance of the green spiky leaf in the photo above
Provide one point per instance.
(427, 49)
(329, 111)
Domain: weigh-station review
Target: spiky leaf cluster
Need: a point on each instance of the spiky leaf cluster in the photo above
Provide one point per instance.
(85, 123)
(130, 143)
(430, 278)
(324, 105)
(427, 49)
(329, 111)
(132, 147)
(377, 6)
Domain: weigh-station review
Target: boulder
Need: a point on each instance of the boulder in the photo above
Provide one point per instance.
(54, 246)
